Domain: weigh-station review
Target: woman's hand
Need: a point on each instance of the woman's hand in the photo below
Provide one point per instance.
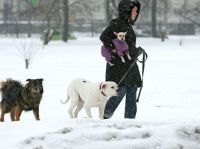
(139, 51)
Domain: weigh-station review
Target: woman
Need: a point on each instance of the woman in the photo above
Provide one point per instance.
(128, 14)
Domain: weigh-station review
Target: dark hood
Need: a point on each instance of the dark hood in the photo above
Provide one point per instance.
(125, 7)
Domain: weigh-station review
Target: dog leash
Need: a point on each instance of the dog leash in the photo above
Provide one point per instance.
(145, 56)
(124, 76)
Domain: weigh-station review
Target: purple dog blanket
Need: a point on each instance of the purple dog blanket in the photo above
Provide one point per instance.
(105, 53)
(121, 48)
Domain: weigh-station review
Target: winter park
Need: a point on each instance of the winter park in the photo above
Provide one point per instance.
(46, 44)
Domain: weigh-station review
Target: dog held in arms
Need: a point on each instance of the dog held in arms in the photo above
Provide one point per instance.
(17, 98)
(121, 48)
(83, 93)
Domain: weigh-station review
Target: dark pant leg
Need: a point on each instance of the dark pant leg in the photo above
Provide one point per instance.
(113, 103)
(130, 104)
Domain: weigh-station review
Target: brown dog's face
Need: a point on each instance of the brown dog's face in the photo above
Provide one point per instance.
(35, 86)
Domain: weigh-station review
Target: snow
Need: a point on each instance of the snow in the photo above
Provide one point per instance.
(168, 110)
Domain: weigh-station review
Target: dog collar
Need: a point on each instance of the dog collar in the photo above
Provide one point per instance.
(102, 91)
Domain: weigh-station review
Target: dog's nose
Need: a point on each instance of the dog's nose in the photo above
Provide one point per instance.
(116, 93)
(36, 90)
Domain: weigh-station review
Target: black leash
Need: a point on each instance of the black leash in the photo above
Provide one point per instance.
(145, 56)
(124, 76)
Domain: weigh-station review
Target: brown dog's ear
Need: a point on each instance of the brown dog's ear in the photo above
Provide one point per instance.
(115, 33)
(41, 79)
(28, 80)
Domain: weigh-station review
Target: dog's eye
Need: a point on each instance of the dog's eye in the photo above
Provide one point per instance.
(112, 87)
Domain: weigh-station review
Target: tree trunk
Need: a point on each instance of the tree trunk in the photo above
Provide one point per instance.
(92, 27)
(5, 16)
(66, 17)
(17, 29)
(153, 18)
(17, 19)
(26, 63)
(108, 12)
(29, 22)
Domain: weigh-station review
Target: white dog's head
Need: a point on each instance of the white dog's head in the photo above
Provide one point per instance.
(120, 35)
(109, 88)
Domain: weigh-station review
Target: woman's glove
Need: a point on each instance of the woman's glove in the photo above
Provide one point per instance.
(115, 59)
(139, 51)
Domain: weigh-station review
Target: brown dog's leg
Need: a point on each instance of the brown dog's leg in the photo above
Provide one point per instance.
(3, 109)
(36, 113)
(2, 116)
(12, 114)
(18, 112)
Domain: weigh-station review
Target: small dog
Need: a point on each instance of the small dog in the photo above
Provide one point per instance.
(121, 48)
(17, 98)
(121, 45)
(83, 93)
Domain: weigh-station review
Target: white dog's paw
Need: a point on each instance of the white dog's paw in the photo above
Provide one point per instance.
(129, 57)
(114, 51)
(122, 59)
(111, 64)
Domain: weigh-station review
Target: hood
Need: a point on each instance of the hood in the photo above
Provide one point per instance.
(125, 7)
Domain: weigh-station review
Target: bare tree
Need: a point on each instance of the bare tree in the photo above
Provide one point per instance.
(108, 12)
(17, 18)
(111, 9)
(86, 7)
(30, 11)
(27, 49)
(56, 13)
(154, 18)
(50, 11)
(163, 9)
(191, 15)
(66, 19)
(7, 13)
(145, 4)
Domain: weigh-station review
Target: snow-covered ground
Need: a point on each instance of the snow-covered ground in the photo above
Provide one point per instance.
(168, 111)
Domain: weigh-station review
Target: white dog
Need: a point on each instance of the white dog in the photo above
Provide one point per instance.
(83, 93)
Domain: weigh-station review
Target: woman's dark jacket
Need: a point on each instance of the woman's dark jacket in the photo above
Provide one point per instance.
(122, 24)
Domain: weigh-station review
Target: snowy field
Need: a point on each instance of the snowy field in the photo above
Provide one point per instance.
(168, 111)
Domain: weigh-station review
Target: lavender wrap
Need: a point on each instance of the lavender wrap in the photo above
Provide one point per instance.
(121, 46)
(105, 53)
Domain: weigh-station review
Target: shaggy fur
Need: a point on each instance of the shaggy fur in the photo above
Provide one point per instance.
(17, 98)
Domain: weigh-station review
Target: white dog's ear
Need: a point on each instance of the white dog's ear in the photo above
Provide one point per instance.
(115, 33)
(103, 86)
(125, 33)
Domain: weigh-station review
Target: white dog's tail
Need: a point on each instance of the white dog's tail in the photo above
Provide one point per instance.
(0, 109)
(64, 102)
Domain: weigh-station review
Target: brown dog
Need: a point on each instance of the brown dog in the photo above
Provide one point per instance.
(17, 98)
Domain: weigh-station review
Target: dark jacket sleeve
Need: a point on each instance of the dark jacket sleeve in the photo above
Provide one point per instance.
(107, 35)
(131, 41)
